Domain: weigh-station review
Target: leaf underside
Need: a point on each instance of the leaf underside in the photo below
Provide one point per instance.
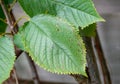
(78, 12)
(89, 31)
(54, 45)
(7, 58)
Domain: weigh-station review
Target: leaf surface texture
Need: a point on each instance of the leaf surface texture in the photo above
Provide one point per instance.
(78, 12)
(54, 45)
(7, 57)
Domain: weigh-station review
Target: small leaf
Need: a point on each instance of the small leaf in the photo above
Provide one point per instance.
(78, 12)
(18, 41)
(54, 45)
(88, 31)
(7, 58)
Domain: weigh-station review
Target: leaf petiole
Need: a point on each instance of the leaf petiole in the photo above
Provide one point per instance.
(5, 34)
(23, 17)
(12, 5)
(3, 20)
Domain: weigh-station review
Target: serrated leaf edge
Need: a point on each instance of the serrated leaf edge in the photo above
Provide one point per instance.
(12, 64)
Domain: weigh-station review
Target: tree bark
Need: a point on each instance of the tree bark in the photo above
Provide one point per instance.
(93, 72)
(35, 75)
(105, 74)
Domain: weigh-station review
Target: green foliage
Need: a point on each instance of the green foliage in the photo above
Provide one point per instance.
(7, 57)
(52, 36)
(50, 40)
(18, 41)
(88, 31)
(8, 1)
(78, 12)
(2, 24)
(2, 27)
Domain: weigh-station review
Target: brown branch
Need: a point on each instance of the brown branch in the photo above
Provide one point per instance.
(92, 68)
(10, 24)
(35, 75)
(15, 29)
(7, 15)
(15, 75)
(102, 61)
(91, 61)
(81, 79)
(18, 52)
(10, 21)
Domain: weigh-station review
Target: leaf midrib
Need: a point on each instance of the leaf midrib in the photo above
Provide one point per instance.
(55, 43)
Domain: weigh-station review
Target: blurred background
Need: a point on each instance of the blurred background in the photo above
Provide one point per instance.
(109, 33)
(109, 38)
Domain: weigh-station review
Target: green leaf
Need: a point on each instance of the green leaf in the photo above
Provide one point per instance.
(2, 27)
(1, 13)
(88, 31)
(8, 1)
(38, 7)
(78, 12)
(18, 41)
(2, 24)
(54, 45)
(7, 57)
